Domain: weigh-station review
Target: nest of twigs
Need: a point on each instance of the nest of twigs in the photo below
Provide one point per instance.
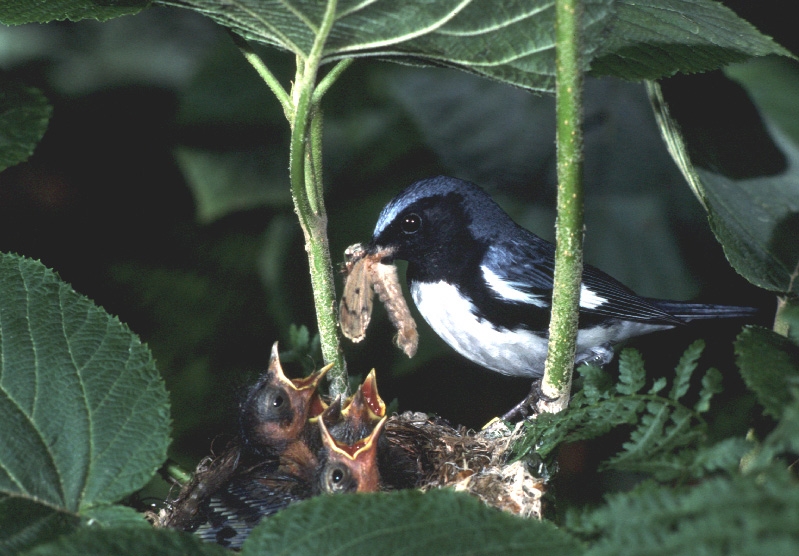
(469, 461)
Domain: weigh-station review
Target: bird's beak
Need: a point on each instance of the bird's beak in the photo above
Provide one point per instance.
(374, 402)
(360, 457)
(302, 391)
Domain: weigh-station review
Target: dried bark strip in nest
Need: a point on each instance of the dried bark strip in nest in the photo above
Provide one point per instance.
(365, 274)
(211, 474)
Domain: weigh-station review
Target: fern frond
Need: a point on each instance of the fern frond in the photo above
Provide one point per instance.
(632, 375)
(666, 437)
(658, 385)
(597, 384)
(548, 431)
(725, 515)
(685, 369)
(711, 385)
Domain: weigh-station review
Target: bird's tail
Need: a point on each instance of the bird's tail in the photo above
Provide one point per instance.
(692, 311)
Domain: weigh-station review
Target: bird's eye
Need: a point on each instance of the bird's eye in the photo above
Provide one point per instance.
(275, 402)
(337, 479)
(411, 223)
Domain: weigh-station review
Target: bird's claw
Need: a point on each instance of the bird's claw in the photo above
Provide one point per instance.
(598, 356)
(528, 406)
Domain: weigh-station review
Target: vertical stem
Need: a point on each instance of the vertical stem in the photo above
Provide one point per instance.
(569, 225)
(306, 191)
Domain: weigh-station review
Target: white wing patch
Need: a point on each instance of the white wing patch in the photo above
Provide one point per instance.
(508, 290)
(590, 299)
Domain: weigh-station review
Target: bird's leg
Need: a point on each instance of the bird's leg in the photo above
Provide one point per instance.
(527, 406)
(598, 356)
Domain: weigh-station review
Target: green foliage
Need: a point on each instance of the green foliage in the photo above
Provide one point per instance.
(698, 35)
(84, 411)
(15, 13)
(753, 512)
(781, 445)
(685, 368)
(751, 207)
(769, 364)
(740, 515)
(24, 113)
(96, 541)
(631, 372)
(84, 416)
(231, 181)
(302, 348)
(514, 44)
(667, 437)
(407, 522)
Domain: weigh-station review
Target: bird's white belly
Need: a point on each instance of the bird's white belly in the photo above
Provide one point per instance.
(516, 352)
(510, 352)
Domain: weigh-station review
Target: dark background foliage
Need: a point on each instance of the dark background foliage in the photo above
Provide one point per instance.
(145, 107)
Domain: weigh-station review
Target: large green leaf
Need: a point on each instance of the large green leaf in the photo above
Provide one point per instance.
(25, 523)
(15, 12)
(744, 172)
(128, 540)
(24, 114)
(511, 40)
(84, 417)
(769, 364)
(650, 39)
(772, 82)
(406, 522)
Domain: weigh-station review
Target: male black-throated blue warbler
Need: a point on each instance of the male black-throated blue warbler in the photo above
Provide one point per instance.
(484, 283)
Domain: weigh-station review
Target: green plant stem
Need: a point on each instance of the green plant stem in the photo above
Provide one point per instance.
(268, 77)
(306, 191)
(330, 78)
(569, 226)
(176, 472)
(303, 112)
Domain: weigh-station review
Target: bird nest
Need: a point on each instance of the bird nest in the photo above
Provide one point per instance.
(469, 461)
(294, 444)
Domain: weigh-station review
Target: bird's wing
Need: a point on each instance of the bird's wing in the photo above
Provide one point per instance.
(522, 271)
(604, 295)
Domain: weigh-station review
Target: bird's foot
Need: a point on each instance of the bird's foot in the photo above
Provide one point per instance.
(527, 406)
(598, 356)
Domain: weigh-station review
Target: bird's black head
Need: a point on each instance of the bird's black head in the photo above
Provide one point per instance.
(439, 225)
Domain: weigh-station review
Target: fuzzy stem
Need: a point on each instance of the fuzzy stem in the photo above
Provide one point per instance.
(306, 191)
(263, 71)
(569, 226)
